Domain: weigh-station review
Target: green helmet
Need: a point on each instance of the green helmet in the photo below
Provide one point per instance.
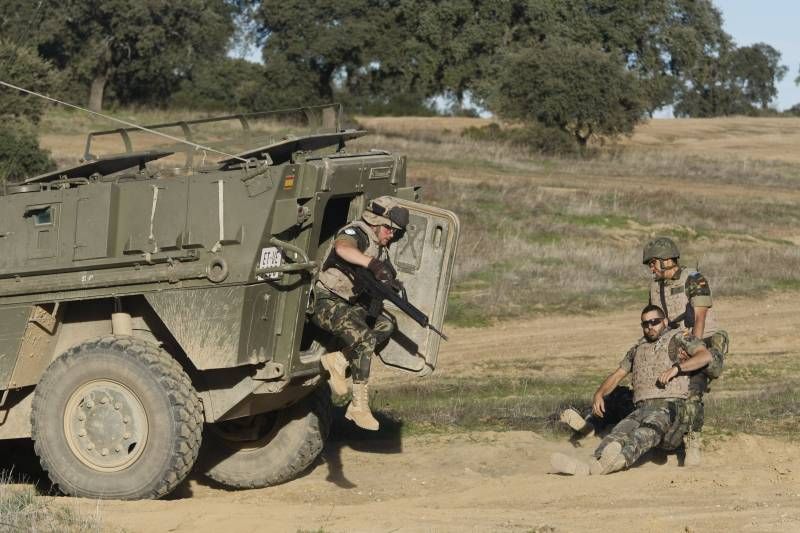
(660, 248)
(385, 211)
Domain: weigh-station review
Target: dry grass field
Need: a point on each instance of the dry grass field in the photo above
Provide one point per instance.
(545, 301)
(549, 234)
(737, 138)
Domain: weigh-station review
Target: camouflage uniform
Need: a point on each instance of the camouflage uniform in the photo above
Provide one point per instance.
(678, 297)
(657, 409)
(341, 310)
(350, 324)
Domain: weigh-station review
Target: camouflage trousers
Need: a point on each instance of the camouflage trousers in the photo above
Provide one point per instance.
(619, 404)
(643, 429)
(349, 323)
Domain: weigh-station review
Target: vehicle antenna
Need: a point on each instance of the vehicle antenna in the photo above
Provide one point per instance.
(131, 124)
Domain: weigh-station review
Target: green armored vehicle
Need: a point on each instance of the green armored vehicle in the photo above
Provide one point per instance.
(155, 298)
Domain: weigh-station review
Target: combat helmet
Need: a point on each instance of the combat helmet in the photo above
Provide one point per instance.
(384, 211)
(660, 248)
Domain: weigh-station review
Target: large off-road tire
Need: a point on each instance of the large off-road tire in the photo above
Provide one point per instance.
(118, 418)
(270, 448)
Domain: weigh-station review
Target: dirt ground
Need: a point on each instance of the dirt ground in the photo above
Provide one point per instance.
(490, 481)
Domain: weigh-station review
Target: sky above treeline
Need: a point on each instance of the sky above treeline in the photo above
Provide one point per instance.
(773, 22)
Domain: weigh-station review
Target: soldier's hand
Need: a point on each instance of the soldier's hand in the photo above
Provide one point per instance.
(397, 285)
(599, 406)
(381, 270)
(682, 355)
(667, 375)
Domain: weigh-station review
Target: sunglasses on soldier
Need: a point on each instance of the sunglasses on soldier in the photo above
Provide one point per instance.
(653, 322)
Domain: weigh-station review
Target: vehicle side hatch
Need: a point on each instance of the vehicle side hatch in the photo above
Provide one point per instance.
(424, 258)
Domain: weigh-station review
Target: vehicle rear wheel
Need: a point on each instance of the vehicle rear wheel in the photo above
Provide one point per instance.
(118, 418)
(270, 448)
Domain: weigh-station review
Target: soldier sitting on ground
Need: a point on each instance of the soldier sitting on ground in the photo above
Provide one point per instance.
(660, 389)
(343, 309)
(685, 297)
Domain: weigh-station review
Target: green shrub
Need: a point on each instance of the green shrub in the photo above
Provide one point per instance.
(224, 85)
(396, 105)
(534, 137)
(23, 67)
(20, 155)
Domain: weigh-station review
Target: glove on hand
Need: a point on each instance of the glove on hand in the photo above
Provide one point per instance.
(382, 271)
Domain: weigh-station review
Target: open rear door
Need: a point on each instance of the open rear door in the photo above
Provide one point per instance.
(424, 259)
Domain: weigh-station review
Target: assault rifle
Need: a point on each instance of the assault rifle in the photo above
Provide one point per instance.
(378, 291)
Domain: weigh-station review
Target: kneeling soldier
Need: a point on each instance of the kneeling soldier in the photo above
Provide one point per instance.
(685, 296)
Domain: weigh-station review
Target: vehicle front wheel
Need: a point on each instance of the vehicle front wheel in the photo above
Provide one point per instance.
(117, 418)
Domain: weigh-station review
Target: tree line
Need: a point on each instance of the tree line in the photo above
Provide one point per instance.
(581, 68)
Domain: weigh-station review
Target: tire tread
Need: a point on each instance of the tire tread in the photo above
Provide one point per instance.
(319, 404)
(188, 418)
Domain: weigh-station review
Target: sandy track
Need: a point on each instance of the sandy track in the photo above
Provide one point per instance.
(499, 481)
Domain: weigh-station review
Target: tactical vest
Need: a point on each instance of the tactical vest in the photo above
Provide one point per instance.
(336, 281)
(649, 361)
(670, 295)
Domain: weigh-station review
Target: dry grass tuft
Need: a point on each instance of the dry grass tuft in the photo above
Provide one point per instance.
(755, 399)
(23, 509)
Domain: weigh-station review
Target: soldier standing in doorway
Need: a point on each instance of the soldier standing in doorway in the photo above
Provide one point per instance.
(345, 310)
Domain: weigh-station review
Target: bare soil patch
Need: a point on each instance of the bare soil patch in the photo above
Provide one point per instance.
(498, 482)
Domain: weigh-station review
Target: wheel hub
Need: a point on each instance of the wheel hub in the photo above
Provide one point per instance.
(106, 425)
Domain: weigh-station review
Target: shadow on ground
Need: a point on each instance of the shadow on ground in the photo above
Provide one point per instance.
(345, 434)
(18, 458)
(19, 463)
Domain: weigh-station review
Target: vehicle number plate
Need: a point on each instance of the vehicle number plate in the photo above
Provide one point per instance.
(271, 257)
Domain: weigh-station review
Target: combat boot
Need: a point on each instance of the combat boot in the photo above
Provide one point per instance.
(358, 410)
(611, 460)
(576, 422)
(336, 364)
(692, 449)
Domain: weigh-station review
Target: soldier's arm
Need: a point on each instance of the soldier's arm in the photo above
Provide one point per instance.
(699, 321)
(347, 249)
(610, 383)
(699, 356)
(699, 294)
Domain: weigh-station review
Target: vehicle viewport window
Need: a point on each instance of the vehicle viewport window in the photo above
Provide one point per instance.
(42, 217)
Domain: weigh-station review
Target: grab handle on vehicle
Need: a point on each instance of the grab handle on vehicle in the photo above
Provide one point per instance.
(304, 262)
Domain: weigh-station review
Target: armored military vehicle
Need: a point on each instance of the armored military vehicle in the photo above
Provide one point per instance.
(151, 299)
